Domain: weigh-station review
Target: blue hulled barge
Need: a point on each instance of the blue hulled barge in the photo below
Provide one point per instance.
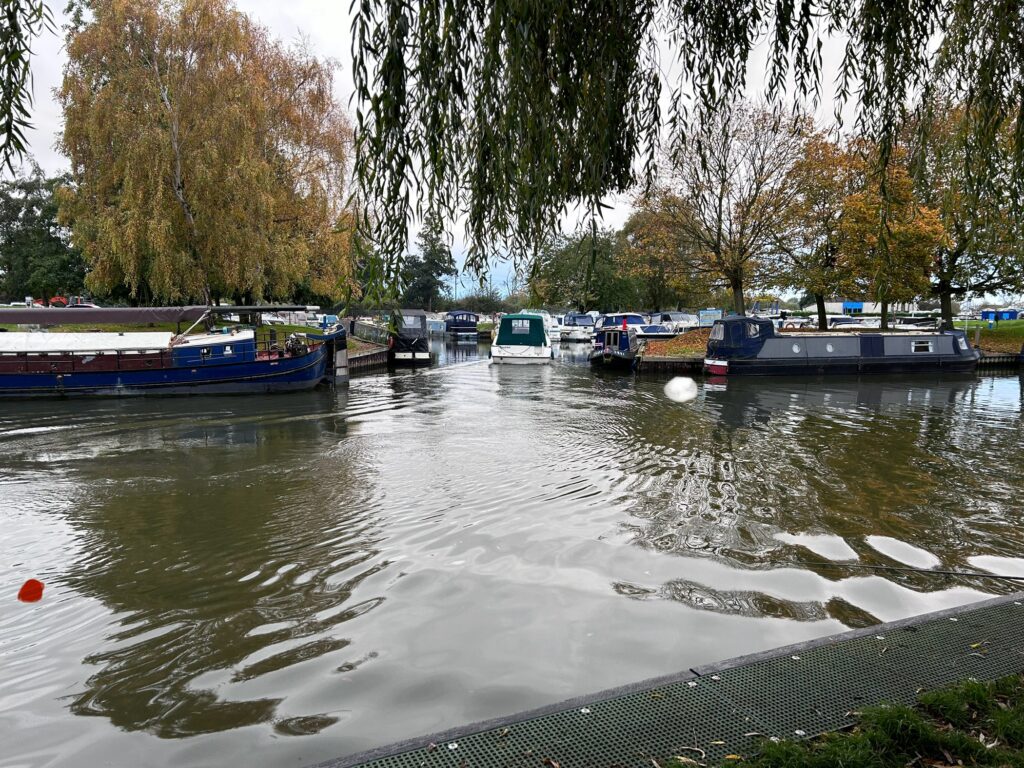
(752, 346)
(40, 364)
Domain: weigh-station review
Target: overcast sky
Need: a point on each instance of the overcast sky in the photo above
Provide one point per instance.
(327, 26)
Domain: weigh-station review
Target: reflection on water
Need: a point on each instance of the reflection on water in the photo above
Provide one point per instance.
(435, 546)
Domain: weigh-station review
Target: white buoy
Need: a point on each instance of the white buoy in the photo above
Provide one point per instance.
(681, 389)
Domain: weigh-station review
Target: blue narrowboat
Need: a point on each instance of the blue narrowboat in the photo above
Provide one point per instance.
(461, 323)
(39, 364)
(752, 346)
(615, 347)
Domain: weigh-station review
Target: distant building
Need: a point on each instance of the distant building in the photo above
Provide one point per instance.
(866, 307)
(999, 314)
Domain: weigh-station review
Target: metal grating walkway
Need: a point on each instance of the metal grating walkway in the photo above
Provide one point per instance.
(728, 708)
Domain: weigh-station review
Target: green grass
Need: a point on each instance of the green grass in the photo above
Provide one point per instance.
(972, 723)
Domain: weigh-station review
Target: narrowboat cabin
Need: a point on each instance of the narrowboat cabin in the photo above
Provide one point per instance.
(615, 347)
(235, 361)
(577, 327)
(461, 324)
(751, 346)
(408, 342)
(521, 339)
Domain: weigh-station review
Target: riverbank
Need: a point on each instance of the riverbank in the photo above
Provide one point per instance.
(970, 723)
(728, 712)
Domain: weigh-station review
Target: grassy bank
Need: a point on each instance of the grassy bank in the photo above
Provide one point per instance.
(968, 724)
(1006, 337)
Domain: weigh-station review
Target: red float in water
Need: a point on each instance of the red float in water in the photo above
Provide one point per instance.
(31, 591)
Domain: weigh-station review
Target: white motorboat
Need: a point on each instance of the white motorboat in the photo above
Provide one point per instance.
(521, 339)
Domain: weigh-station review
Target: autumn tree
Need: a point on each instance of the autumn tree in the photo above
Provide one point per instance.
(656, 253)
(581, 271)
(36, 256)
(207, 158)
(983, 251)
(825, 174)
(886, 245)
(735, 186)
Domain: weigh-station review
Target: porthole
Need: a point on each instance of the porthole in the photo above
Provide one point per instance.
(796, 349)
(829, 348)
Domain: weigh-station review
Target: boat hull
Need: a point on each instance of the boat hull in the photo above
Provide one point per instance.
(750, 346)
(616, 360)
(520, 355)
(855, 367)
(285, 374)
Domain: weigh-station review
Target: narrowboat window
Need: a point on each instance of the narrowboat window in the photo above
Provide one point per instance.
(753, 331)
(717, 332)
(920, 346)
(205, 352)
(227, 350)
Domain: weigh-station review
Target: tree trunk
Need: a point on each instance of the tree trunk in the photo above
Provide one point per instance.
(885, 315)
(946, 304)
(819, 301)
(737, 296)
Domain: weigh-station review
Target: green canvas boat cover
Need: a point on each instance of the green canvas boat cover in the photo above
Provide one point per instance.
(521, 330)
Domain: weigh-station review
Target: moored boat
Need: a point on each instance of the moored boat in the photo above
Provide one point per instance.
(751, 346)
(461, 323)
(521, 339)
(407, 338)
(656, 332)
(615, 347)
(39, 364)
(577, 327)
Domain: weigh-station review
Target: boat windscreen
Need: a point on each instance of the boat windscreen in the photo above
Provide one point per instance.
(414, 325)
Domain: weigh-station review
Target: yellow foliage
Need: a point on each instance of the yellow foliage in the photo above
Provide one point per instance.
(207, 158)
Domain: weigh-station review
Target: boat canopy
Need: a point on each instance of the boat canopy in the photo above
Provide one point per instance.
(739, 336)
(411, 323)
(521, 330)
(578, 318)
(462, 314)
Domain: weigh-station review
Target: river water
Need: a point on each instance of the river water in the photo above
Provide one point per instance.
(277, 581)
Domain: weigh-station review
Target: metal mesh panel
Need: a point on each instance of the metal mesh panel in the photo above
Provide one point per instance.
(677, 719)
(729, 710)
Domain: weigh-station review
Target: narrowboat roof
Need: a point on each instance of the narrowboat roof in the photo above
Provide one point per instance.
(22, 342)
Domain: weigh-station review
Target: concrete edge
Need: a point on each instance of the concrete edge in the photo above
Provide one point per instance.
(453, 734)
